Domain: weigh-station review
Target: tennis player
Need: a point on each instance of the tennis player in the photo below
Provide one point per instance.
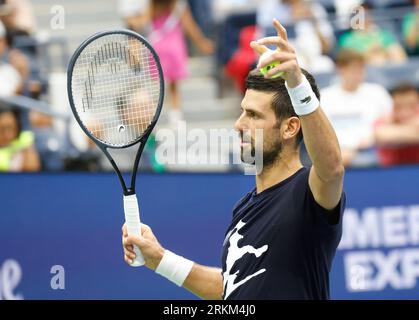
(283, 235)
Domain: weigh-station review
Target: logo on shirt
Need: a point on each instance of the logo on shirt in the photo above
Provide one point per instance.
(306, 100)
(234, 254)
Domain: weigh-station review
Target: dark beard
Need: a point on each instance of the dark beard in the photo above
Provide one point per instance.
(269, 157)
(273, 155)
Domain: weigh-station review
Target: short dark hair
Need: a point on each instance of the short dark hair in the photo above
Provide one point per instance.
(281, 102)
(403, 88)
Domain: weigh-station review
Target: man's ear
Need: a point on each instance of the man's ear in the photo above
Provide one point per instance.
(290, 128)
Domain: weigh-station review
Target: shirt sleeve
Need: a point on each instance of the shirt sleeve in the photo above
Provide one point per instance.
(386, 105)
(323, 220)
(408, 24)
(388, 39)
(346, 40)
(10, 80)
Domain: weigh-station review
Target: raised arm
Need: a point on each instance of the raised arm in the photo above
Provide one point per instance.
(326, 176)
(204, 282)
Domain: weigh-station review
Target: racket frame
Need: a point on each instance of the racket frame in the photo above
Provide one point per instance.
(128, 191)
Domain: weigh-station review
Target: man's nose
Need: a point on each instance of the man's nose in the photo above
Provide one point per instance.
(240, 125)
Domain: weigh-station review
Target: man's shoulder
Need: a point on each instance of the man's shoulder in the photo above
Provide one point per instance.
(245, 198)
(299, 178)
(296, 182)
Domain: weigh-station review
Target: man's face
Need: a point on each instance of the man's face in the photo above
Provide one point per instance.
(352, 74)
(406, 106)
(257, 113)
(8, 128)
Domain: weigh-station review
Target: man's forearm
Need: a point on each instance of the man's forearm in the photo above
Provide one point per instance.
(393, 134)
(322, 145)
(205, 282)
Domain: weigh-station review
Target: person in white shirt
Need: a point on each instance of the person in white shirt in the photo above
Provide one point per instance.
(10, 79)
(354, 107)
(18, 16)
(313, 36)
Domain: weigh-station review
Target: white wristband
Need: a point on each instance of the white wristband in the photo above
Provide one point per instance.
(174, 267)
(303, 98)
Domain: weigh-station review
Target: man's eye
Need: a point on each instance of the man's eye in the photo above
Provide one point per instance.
(251, 114)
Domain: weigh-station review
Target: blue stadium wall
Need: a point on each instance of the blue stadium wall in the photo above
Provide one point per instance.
(56, 227)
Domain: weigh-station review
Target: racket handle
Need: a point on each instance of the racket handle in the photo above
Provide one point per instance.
(132, 220)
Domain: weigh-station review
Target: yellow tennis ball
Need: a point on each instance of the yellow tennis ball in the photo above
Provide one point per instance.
(270, 66)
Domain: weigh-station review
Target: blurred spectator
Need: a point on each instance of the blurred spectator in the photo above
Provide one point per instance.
(202, 12)
(378, 45)
(243, 59)
(170, 20)
(353, 107)
(229, 39)
(10, 79)
(411, 30)
(398, 135)
(222, 9)
(234, 54)
(269, 9)
(135, 14)
(308, 29)
(344, 11)
(17, 151)
(15, 74)
(18, 17)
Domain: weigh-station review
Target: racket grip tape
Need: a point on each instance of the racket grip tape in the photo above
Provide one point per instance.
(133, 223)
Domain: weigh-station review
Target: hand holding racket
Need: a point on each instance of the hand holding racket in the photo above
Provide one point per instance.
(116, 89)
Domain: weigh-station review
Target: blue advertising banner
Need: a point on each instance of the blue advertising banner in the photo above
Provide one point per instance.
(378, 257)
(60, 234)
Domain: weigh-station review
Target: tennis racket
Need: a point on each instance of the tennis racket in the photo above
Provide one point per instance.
(116, 89)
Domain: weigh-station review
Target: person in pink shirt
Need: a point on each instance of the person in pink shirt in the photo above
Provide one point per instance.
(170, 21)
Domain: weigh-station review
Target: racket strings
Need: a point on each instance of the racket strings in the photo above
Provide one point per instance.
(116, 89)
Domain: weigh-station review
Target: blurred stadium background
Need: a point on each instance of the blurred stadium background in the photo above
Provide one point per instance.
(60, 203)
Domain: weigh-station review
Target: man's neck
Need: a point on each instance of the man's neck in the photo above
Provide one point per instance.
(349, 88)
(279, 171)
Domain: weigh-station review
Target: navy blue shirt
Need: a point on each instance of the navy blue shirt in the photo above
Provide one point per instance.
(281, 243)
